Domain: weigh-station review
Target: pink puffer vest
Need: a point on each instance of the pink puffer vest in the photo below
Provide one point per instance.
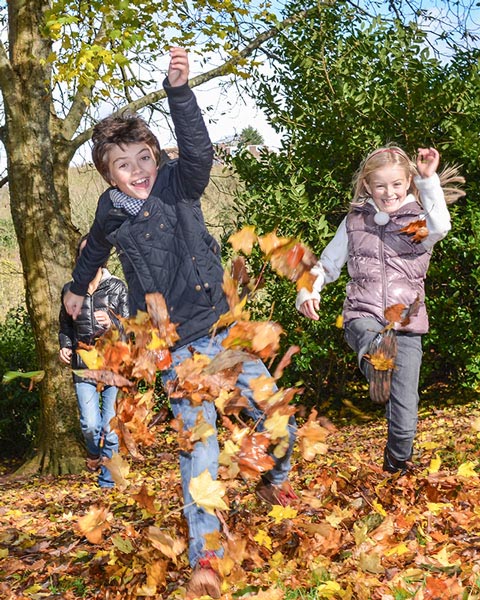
(385, 266)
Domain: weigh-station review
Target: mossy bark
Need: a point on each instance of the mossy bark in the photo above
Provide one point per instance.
(38, 161)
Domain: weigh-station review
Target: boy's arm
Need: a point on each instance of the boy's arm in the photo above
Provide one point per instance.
(94, 255)
(195, 151)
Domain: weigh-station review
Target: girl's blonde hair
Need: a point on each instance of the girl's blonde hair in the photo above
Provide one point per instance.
(394, 156)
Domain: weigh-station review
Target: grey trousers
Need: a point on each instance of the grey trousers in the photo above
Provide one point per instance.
(402, 408)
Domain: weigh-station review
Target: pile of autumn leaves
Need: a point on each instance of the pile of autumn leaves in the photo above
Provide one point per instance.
(130, 358)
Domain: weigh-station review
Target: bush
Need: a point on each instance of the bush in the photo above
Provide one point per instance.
(19, 408)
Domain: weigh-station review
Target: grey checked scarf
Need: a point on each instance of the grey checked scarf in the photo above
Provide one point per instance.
(120, 200)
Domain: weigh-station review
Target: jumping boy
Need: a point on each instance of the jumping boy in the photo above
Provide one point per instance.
(153, 217)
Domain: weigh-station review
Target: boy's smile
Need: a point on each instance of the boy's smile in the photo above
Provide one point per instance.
(388, 187)
(133, 169)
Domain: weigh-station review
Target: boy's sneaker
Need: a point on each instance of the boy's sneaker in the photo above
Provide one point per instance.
(282, 494)
(380, 364)
(205, 581)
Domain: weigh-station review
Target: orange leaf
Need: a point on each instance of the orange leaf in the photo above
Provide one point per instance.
(243, 240)
(94, 524)
(417, 229)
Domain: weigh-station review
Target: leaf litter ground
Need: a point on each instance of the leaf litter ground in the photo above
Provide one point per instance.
(354, 533)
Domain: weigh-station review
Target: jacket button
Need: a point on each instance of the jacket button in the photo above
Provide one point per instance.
(214, 307)
(162, 225)
(147, 235)
(146, 213)
(206, 286)
(193, 258)
(198, 287)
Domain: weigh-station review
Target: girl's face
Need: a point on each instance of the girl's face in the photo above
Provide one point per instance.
(133, 169)
(388, 186)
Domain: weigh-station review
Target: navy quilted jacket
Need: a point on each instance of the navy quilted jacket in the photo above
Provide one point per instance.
(166, 247)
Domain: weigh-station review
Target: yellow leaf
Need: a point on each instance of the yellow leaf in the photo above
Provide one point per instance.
(263, 539)
(443, 557)
(437, 507)
(467, 469)
(243, 240)
(379, 508)
(91, 358)
(435, 464)
(156, 342)
(207, 493)
(277, 425)
(280, 513)
(339, 322)
(476, 424)
(329, 589)
(397, 550)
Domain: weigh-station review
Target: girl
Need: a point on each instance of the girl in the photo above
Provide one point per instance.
(107, 299)
(399, 211)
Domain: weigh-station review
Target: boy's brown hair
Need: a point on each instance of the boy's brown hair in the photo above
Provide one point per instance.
(120, 130)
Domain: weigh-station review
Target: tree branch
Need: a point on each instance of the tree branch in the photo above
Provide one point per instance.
(222, 70)
(80, 101)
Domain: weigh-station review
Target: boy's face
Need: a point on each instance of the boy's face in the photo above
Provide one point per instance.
(133, 169)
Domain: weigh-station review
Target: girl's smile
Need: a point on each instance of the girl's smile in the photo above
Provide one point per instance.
(388, 186)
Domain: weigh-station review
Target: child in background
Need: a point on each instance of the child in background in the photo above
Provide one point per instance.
(153, 217)
(106, 299)
(388, 266)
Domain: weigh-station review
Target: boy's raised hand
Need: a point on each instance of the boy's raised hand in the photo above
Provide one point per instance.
(178, 69)
(428, 160)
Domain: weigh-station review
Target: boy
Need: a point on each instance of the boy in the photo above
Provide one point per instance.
(153, 217)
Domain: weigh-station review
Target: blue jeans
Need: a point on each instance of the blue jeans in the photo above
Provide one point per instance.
(96, 411)
(402, 408)
(205, 454)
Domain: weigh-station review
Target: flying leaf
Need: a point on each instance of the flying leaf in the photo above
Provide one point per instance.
(34, 376)
(157, 309)
(417, 229)
(94, 524)
(207, 493)
(399, 313)
(169, 546)
(91, 358)
(119, 469)
(105, 377)
(243, 240)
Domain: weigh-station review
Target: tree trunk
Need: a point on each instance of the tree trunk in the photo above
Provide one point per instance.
(38, 182)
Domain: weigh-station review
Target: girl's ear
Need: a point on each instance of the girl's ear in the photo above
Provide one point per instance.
(367, 187)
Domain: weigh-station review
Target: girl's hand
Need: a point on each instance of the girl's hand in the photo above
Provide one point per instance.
(309, 308)
(65, 355)
(428, 160)
(102, 318)
(178, 69)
